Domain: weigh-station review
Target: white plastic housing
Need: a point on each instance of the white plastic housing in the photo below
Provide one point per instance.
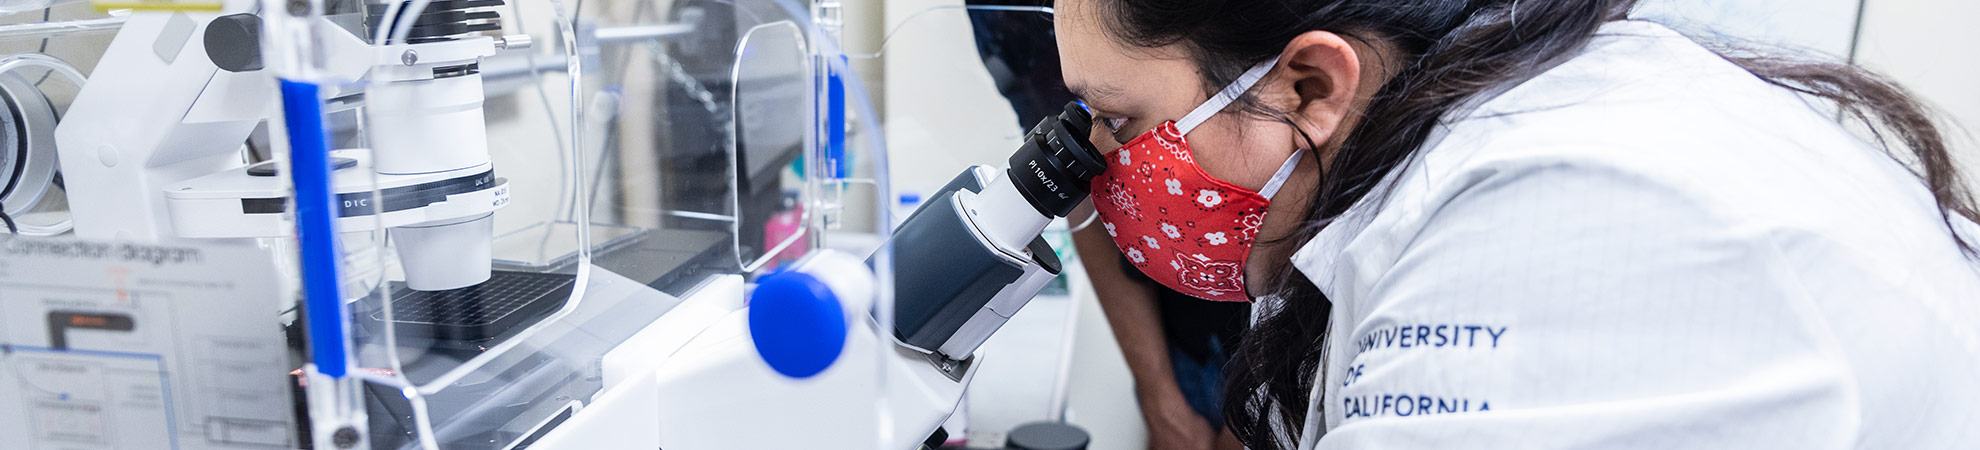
(1004, 215)
(446, 254)
(848, 278)
(425, 126)
(154, 112)
(991, 316)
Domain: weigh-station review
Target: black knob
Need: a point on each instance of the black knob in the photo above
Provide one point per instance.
(1047, 436)
(233, 42)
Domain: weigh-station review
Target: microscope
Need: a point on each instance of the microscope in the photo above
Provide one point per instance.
(175, 166)
(971, 256)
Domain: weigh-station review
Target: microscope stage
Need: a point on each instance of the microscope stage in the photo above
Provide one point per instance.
(479, 312)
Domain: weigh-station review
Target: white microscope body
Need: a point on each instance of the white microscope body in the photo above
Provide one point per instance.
(154, 144)
(156, 113)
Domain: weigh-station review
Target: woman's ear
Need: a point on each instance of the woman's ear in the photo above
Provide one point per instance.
(1322, 75)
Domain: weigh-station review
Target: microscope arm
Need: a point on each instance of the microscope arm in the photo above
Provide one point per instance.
(966, 261)
(957, 280)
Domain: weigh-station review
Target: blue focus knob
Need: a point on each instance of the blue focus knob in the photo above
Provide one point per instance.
(797, 323)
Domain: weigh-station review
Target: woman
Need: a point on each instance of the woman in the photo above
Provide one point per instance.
(1534, 224)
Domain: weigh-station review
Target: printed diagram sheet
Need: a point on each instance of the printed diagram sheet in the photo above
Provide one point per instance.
(134, 346)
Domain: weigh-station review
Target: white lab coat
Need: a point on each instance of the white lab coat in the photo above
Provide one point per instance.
(1647, 247)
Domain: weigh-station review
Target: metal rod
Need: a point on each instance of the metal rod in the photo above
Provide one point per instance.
(609, 35)
(44, 30)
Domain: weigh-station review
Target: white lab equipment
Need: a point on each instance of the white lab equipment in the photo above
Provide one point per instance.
(28, 162)
(1646, 247)
(429, 157)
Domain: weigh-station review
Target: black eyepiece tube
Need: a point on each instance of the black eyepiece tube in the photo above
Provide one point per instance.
(1056, 162)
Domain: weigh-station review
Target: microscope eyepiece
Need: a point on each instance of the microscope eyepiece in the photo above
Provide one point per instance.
(1056, 162)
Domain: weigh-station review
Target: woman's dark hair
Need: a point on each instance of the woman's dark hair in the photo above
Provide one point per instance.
(1447, 52)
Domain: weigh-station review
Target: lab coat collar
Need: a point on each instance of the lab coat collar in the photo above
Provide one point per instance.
(1320, 257)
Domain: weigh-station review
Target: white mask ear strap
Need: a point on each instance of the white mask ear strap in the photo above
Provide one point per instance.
(1225, 97)
(1279, 178)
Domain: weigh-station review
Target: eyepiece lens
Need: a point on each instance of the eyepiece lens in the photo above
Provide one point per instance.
(1079, 120)
(1057, 161)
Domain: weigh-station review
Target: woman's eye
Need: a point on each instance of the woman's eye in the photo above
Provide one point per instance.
(1116, 123)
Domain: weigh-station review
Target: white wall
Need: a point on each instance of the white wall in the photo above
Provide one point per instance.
(943, 111)
(1818, 25)
(1928, 46)
(1925, 45)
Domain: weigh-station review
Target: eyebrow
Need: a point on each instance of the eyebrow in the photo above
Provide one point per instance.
(1091, 93)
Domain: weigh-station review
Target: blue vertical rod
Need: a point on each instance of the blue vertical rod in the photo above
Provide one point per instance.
(835, 118)
(316, 230)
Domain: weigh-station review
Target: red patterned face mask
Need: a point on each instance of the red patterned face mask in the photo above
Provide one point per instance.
(1185, 229)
